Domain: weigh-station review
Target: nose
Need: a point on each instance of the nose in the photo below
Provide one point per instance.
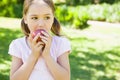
(41, 23)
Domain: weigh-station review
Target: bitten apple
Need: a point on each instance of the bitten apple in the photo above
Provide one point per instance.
(36, 32)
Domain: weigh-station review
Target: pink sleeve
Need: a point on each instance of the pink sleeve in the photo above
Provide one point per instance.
(14, 49)
(63, 46)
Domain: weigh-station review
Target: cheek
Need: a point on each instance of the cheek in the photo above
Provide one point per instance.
(49, 24)
(31, 26)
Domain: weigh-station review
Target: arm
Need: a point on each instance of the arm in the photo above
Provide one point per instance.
(20, 71)
(61, 69)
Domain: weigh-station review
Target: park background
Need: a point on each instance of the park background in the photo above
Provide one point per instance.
(92, 26)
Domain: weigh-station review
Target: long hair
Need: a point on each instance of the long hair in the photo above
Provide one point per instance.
(56, 25)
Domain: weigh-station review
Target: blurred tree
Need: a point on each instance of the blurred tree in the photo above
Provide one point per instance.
(78, 2)
(59, 1)
(20, 1)
(86, 2)
(11, 8)
(96, 1)
(107, 1)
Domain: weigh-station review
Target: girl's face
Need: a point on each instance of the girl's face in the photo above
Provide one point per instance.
(39, 16)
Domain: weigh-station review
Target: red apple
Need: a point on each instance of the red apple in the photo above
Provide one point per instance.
(36, 32)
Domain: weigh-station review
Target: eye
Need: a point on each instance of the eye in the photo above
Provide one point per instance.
(47, 17)
(34, 18)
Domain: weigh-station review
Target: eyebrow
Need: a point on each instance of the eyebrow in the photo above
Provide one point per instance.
(37, 15)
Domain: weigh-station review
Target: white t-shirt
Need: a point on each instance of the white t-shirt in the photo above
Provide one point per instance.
(20, 49)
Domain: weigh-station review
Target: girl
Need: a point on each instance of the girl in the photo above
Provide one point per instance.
(40, 60)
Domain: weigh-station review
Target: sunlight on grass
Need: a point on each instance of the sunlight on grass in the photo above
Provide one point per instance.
(5, 67)
(97, 62)
(96, 50)
(4, 70)
(10, 22)
(112, 57)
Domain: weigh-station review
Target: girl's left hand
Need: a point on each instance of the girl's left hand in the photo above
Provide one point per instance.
(47, 39)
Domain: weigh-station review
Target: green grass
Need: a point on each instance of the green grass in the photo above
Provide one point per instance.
(95, 51)
(6, 36)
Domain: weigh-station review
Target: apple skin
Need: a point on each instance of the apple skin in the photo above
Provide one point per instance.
(36, 32)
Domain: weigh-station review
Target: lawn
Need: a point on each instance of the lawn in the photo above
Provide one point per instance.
(95, 51)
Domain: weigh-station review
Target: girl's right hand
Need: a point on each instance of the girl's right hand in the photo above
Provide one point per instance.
(35, 46)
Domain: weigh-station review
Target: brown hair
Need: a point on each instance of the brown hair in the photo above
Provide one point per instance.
(56, 25)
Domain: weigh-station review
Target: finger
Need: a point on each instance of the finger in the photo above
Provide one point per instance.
(43, 37)
(45, 33)
(45, 41)
(40, 43)
(36, 38)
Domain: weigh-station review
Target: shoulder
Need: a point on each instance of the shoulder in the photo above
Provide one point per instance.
(60, 40)
(18, 41)
(15, 47)
(62, 45)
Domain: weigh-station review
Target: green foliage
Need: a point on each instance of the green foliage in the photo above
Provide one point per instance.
(86, 2)
(114, 13)
(109, 1)
(76, 17)
(11, 8)
(6, 36)
(62, 12)
(79, 15)
(78, 2)
(105, 12)
(97, 12)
